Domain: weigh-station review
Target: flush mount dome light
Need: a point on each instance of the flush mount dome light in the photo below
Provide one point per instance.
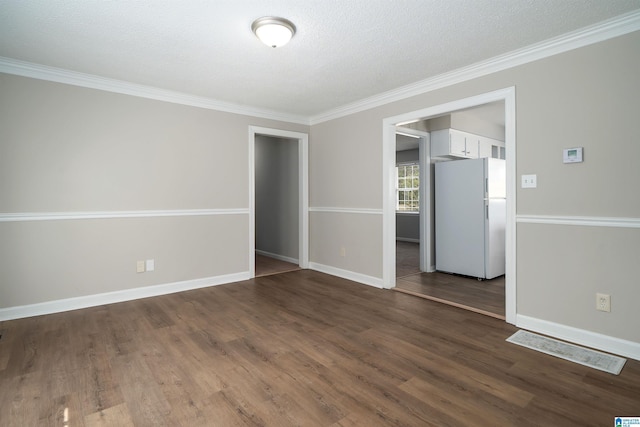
(272, 31)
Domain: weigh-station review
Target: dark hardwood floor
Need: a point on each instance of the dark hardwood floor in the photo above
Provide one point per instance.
(300, 348)
(485, 297)
(266, 266)
(407, 258)
(482, 296)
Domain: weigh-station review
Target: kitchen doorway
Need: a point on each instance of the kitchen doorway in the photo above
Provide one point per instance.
(507, 97)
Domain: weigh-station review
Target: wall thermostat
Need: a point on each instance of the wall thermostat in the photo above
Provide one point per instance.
(572, 155)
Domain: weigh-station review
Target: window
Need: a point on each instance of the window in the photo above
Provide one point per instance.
(408, 187)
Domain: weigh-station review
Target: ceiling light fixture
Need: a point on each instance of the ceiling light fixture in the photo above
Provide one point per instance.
(272, 31)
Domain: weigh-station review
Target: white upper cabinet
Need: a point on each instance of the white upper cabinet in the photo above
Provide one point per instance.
(485, 147)
(454, 143)
(457, 144)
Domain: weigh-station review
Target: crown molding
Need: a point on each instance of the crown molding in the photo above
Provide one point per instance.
(602, 31)
(59, 75)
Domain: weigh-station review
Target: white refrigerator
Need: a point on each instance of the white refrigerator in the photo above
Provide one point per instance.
(470, 216)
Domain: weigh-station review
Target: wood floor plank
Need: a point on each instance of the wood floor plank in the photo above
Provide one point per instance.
(115, 416)
(141, 390)
(407, 258)
(266, 266)
(461, 403)
(425, 365)
(300, 348)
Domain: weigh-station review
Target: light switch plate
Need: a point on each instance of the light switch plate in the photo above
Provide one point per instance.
(150, 265)
(529, 181)
(140, 267)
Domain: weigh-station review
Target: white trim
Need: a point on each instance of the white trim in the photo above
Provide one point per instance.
(388, 168)
(589, 221)
(58, 306)
(425, 221)
(346, 274)
(511, 229)
(57, 216)
(277, 256)
(361, 211)
(303, 192)
(602, 31)
(580, 336)
(389, 184)
(59, 75)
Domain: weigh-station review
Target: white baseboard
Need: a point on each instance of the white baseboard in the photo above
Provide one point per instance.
(277, 256)
(76, 303)
(583, 337)
(346, 274)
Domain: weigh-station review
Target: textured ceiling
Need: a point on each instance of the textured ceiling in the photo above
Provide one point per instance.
(344, 50)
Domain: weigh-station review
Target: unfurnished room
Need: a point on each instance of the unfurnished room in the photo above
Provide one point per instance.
(319, 213)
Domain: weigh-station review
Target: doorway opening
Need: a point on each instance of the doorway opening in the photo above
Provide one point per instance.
(278, 205)
(505, 97)
(413, 249)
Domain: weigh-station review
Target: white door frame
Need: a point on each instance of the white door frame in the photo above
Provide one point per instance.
(425, 201)
(508, 95)
(303, 192)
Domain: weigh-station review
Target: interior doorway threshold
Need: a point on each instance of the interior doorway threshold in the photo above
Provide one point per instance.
(451, 303)
(268, 266)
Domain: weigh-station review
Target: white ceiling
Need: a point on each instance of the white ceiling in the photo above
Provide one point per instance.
(344, 50)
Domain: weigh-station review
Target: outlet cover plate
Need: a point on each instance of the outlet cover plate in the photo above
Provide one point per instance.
(603, 302)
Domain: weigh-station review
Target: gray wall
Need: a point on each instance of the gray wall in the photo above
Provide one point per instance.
(407, 156)
(587, 98)
(466, 121)
(66, 149)
(408, 227)
(277, 196)
(461, 120)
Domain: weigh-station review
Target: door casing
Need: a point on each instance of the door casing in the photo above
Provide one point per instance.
(389, 128)
(303, 192)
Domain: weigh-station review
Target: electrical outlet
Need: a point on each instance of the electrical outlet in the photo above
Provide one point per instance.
(603, 302)
(140, 267)
(150, 265)
(343, 251)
